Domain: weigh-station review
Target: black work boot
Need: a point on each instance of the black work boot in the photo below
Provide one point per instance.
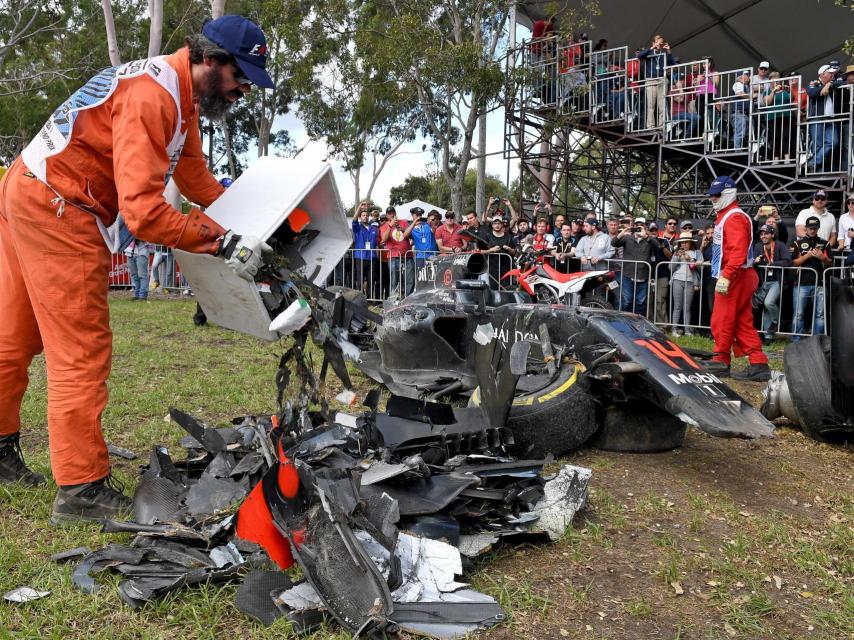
(717, 368)
(12, 466)
(95, 501)
(756, 372)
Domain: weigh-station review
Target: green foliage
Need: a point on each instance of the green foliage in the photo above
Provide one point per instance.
(65, 45)
(413, 188)
(434, 189)
(40, 66)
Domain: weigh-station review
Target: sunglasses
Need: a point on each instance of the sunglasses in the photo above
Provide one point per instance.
(688, 226)
(849, 202)
(671, 224)
(239, 77)
(820, 198)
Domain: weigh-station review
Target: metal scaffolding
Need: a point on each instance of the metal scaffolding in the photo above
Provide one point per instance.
(584, 128)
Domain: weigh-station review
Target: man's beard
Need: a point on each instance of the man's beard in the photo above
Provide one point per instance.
(214, 105)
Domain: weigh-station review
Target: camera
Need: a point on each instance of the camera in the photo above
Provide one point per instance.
(637, 229)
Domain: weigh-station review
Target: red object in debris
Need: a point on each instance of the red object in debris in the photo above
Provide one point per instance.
(298, 220)
(255, 522)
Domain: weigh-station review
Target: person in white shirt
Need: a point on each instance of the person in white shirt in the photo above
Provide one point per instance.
(845, 233)
(758, 78)
(827, 230)
(594, 248)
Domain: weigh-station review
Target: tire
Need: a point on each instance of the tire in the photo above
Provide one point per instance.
(596, 302)
(638, 427)
(808, 376)
(556, 419)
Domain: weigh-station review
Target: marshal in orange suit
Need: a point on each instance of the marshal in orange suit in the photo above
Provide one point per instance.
(93, 177)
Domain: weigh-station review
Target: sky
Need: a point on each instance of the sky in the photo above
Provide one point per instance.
(409, 160)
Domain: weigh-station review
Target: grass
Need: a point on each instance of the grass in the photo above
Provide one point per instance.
(652, 521)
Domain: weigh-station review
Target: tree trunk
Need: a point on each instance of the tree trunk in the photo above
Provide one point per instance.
(112, 43)
(546, 173)
(210, 146)
(217, 8)
(155, 31)
(232, 170)
(480, 186)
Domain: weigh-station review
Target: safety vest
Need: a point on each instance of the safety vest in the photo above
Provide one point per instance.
(57, 132)
(718, 242)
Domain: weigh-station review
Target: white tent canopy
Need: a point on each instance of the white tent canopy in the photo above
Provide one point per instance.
(403, 209)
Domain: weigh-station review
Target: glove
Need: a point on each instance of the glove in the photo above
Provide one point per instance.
(722, 286)
(244, 254)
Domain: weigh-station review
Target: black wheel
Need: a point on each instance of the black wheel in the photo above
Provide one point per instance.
(557, 418)
(545, 295)
(808, 377)
(596, 302)
(637, 427)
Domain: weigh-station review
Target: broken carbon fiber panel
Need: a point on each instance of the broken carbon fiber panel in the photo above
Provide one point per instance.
(112, 554)
(255, 597)
(209, 438)
(424, 496)
(341, 572)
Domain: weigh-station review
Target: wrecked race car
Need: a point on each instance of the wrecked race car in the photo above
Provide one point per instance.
(816, 389)
(608, 377)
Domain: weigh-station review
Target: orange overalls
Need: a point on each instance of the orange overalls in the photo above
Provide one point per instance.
(54, 263)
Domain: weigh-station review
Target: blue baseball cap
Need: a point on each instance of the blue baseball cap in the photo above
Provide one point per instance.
(245, 41)
(719, 184)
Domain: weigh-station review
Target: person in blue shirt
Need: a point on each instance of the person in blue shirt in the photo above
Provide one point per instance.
(365, 255)
(423, 241)
(655, 60)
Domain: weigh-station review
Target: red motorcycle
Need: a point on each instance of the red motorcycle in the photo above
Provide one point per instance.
(549, 286)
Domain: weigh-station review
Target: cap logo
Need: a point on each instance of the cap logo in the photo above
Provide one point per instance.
(258, 50)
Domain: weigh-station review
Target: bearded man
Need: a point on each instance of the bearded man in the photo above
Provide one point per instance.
(110, 148)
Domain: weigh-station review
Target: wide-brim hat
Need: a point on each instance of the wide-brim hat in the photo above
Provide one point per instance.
(686, 236)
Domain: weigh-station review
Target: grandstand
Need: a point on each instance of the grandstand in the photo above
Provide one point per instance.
(588, 120)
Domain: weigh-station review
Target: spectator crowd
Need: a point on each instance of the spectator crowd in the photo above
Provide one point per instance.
(662, 266)
(694, 101)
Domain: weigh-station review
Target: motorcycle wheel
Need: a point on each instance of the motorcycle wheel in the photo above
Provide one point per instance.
(596, 302)
(545, 296)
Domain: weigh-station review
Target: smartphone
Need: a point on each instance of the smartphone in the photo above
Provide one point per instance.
(766, 210)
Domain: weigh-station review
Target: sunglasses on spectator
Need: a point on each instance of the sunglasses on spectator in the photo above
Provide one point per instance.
(671, 224)
(849, 202)
(687, 226)
(820, 198)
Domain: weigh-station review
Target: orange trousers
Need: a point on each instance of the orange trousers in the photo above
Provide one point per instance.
(54, 272)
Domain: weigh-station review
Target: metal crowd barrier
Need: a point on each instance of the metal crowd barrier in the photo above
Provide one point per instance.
(568, 77)
(381, 278)
(779, 304)
(776, 122)
(683, 122)
(639, 99)
(633, 290)
(162, 269)
(828, 139)
(574, 75)
(608, 85)
(729, 131)
(680, 303)
(540, 64)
